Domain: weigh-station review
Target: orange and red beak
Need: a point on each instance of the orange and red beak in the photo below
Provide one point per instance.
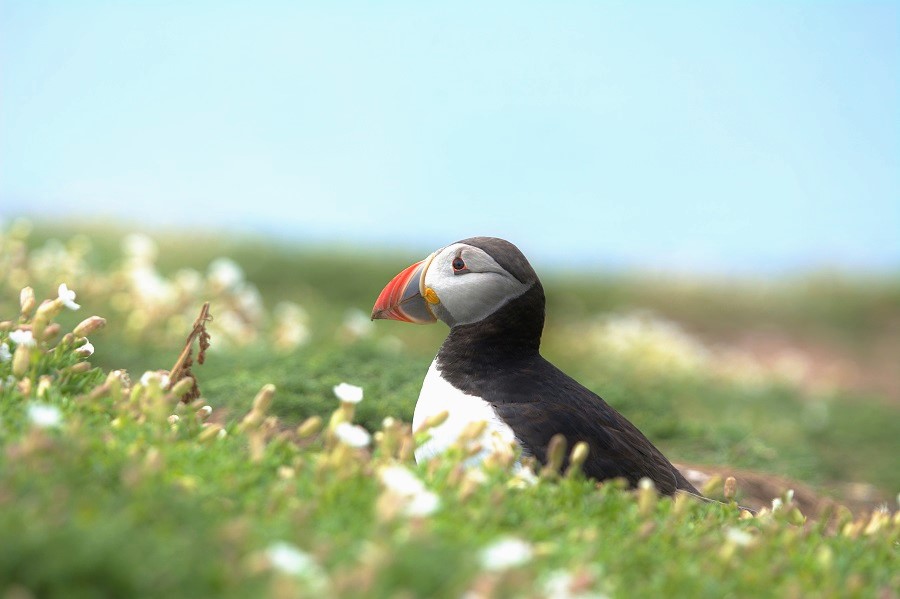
(402, 298)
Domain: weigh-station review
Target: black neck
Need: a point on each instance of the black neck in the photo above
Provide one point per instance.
(513, 330)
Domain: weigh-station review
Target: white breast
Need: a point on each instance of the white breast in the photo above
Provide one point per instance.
(438, 395)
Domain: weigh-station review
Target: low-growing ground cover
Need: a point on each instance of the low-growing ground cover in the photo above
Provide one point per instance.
(110, 486)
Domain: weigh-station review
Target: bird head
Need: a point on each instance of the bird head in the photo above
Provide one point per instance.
(459, 284)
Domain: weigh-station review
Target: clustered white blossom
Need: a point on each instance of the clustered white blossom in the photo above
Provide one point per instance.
(352, 435)
(151, 375)
(558, 585)
(44, 416)
(152, 305)
(67, 297)
(289, 559)
(357, 324)
(739, 537)
(291, 329)
(656, 342)
(417, 501)
(85, 350)
(225, 273)
(22, 337)
(505, 553)
(348, 393)
(5, 354)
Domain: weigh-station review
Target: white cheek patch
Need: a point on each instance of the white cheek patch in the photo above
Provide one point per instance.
(472, 296)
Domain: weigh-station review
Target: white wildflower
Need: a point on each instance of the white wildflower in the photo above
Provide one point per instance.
(738, 536)
(410, 491)
(422, 504)
(85, 350)
(289, 559)
(67, 297)
(291, 329)
(401, 481)
(249, 301)
(348, 393)
(150, 375)
(777, 504)
(505, 553)
(140, 247)
(44, 416)
(358, 324)
(352, 435)
(476, 476)
(22, 337)
(225, 273)
(189, 281)
(232, 328)
(5, 354)
(292, 334)
(147, 283)
(559, 585)
(525, 477)
(652, 341)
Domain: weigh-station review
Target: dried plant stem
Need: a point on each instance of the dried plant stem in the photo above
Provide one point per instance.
(182, 367)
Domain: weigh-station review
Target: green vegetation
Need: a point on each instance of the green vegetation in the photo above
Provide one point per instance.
(111, 487)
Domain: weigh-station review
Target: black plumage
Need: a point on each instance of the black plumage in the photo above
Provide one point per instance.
(498, 359)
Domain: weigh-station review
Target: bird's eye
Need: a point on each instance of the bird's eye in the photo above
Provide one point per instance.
(459, 265)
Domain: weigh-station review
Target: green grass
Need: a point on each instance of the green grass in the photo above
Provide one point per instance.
(116, 501)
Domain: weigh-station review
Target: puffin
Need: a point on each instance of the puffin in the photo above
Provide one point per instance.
(490, 367)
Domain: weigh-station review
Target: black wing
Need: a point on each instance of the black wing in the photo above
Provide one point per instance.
(537, 400)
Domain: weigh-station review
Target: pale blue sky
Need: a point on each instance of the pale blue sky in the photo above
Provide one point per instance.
(710, 136)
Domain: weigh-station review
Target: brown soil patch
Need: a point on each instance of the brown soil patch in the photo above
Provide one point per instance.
(757, 489)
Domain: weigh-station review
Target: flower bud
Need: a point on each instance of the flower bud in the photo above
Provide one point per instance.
(577, 458)
(43, 385)
(204, 412)
(209, 432)
(472, 430)
(263, 399)
(309, 427)
(89, 325)
(27, 301)
(433, 421)
(80, 367)
(85, 349)
(182, 387)
(796, 517)
(556, 452)
(250, 421)
(51, 331)
(21, 361)
(646, 496)
(730, 488)
(407, 449)
(46, 312)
